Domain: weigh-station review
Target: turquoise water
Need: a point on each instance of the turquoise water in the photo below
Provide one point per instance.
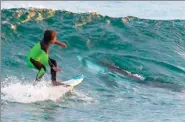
(134, 69)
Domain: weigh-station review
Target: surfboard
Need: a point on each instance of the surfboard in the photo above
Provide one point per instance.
(74, 81)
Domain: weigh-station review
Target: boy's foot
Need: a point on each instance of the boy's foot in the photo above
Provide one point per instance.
(56, 83)
(35, 82)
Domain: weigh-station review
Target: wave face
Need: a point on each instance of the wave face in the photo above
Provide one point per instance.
(126, 62)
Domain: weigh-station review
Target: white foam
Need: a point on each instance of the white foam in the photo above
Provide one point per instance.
(83, 97)
(163, 10)
(27, 93)
(15, 89)
(136, 75)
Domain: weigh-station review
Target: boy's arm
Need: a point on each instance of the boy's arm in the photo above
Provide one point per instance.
(60, 43)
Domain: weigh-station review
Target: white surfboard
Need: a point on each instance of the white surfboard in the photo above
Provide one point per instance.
(74, 81)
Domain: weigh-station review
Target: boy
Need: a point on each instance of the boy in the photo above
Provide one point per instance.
(38, 56)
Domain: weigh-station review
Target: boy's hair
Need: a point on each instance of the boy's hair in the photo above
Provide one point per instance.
(49, 35)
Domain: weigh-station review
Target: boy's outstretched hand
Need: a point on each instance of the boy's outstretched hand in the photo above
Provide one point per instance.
(60, 43)
(64, 45)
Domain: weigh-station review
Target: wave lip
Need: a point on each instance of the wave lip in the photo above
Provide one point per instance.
(160, 10)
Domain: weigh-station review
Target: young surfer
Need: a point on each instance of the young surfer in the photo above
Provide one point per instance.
(38, 56)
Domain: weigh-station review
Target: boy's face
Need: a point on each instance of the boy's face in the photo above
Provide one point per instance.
(53, 41)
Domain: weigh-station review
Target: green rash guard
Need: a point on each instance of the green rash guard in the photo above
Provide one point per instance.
(37, 54)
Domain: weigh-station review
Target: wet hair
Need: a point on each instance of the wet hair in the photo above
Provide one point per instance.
(49, 35)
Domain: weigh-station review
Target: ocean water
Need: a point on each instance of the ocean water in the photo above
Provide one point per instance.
(134, 68)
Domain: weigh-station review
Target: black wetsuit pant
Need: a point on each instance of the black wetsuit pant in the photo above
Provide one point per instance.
(38, 65)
